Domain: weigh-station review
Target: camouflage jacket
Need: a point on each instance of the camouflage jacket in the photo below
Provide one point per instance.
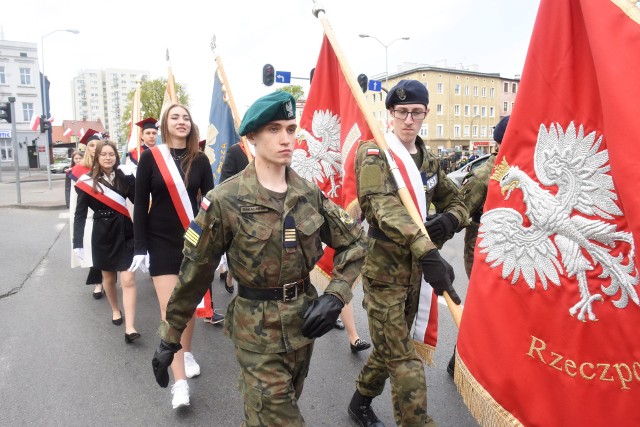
(242, 221)
(396, 261)
(474, 188)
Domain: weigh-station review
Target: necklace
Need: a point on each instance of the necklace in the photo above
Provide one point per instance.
(176, 157)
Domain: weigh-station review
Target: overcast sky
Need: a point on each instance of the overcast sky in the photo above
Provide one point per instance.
(492, 34)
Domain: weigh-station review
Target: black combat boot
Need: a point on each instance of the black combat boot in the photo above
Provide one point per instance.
(361, 411)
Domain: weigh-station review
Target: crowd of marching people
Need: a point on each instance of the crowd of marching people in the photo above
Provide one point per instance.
(158, 212)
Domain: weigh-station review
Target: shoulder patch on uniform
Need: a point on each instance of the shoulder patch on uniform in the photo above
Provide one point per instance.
(205, 203)
(193, 233)
(253, 209)
(431, 182)
(373, 152)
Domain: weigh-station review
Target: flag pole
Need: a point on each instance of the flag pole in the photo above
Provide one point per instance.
(136, 114)
(232, 103)
(403, 192)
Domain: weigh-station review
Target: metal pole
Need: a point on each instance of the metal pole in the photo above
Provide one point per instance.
(14, 139)
(45, 116)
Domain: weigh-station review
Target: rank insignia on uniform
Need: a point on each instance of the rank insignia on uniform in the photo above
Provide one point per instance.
(205, 203)
(373, 152)
(289, 239)
(253, 209)
(193, 233)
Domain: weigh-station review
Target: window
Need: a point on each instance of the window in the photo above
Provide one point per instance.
(424, 130)
(466, 130)
(456, 110)
(505, 106)
(475, 110)
(440, 130)
(439, 109)
(475, 91)
(6, 150)
(466, 89)
(27, 111)
(492, 112)
(457, 89)
(467, 110)
(456, 131)
(483, 131)
(2, 77)
(514, 87)
(492, 92)
(440, 88)
(475, 130)
(484, 112)
(484, 92)
(506, 87)
(25, 76)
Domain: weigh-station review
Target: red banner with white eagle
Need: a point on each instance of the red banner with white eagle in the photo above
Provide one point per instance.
(549, 332)
(331, 125)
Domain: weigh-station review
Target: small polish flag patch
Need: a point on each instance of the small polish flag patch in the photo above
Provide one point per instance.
(205, 203)
(373, 152)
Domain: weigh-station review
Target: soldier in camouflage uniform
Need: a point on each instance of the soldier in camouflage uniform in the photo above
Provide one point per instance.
(271, 223)
(399, 255)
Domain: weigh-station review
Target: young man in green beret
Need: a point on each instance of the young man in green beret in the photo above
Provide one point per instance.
(272, 223)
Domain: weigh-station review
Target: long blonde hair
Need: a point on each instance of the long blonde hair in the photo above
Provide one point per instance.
(192, 139)
(87, 159)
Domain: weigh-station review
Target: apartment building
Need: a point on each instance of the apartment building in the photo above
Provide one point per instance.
(465, 105)
(102, 95)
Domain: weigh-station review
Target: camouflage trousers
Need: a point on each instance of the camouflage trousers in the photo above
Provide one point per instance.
(470, 237)
(391, 310)
(271, 385)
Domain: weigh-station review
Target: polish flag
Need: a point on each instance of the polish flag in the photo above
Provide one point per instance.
(35, 122)
(68, 132)
(82, 132)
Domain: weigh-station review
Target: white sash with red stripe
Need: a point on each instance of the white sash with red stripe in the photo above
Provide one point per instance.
(109, 197)
(425, 325)
(174, 183)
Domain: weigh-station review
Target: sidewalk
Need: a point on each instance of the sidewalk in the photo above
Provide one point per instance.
(34, 190)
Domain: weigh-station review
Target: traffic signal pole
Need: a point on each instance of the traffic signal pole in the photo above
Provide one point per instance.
(14, 139)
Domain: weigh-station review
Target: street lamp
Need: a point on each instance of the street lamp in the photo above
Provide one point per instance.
(44, 97)
(386, 56)
(471, 140)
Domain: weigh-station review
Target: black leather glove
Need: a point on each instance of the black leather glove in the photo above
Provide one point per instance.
(441, 227)
(439, 274)
(321, 315)
(162, 360)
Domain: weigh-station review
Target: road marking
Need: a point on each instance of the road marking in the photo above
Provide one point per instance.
(63, 215)
(60, 226)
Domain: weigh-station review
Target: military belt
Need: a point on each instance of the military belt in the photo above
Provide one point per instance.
(378, 234)
(286, 293)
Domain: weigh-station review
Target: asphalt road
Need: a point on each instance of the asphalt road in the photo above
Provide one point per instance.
(62, 362)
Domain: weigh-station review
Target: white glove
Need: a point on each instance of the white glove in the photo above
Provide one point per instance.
(128, 169)
(140, 261)
(79, 253)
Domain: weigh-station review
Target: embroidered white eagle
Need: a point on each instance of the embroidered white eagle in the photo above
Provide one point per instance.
(560, 225)
(323, 160)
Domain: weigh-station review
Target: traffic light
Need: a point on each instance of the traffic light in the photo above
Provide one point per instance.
(363, 81)
(268, 74)
(5, 111)
(313, 70)
(45, 125)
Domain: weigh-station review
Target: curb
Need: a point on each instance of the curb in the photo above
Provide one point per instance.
(35, 207)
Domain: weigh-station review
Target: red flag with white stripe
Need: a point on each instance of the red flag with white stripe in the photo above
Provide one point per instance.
(35, 122)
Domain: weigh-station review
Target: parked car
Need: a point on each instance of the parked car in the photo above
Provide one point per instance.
(457, 176)
(60, 166)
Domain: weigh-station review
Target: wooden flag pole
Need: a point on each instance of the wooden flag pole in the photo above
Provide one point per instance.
(232, 104)
(403, 192)
(136, 113)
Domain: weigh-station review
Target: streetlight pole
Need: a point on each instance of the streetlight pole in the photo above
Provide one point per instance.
(44, 99)
(386, 61)
(471, 140)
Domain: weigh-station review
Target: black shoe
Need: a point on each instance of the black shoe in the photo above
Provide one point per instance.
(361, 411)
(117, 322)
(359, 345)
(452, 364)
(129, 338)
(98, 295)
(339, 325)
(223, 276)
(229, 289)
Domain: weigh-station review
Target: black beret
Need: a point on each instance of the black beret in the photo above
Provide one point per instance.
(278, 105)
(407, 92)
(501, 127)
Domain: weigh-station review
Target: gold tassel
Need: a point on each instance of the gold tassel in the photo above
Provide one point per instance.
(425, 352)
(481, 404)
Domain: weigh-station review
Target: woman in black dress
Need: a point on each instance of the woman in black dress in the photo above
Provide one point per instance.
(168, 179)
(104, 189)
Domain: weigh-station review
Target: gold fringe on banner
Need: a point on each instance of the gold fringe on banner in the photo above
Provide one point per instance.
(425, 352)
(481, 404)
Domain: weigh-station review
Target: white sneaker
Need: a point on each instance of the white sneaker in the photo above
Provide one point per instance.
(180, 391)
(191, 367)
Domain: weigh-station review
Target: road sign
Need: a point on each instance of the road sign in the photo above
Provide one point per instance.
(283, 76)
(375, 85)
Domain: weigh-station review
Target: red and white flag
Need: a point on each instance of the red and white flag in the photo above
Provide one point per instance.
(82, 132)
(35, 122)
(68, 132)
(549, 335)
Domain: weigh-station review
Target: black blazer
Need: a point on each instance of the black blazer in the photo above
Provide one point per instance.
(234, 162)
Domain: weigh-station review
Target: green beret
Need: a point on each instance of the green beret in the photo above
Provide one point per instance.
(275, 106)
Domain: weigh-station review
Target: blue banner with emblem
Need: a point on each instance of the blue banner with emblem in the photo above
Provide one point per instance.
(221, 133)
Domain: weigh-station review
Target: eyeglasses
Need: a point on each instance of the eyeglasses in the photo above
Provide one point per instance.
(107, 154)
(415, 115)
